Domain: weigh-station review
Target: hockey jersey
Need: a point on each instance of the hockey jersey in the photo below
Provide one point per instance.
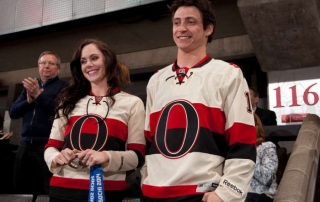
(95, 124)
(200, 132)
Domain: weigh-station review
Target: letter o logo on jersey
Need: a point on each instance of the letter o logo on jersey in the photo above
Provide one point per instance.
(100, 139)
(191, 130)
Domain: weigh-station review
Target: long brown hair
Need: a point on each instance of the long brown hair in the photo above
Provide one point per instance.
(79, 86)
(259, 130)
(124, 75)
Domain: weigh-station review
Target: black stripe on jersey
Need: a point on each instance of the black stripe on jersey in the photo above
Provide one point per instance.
(190, 198)
(242, 151)
(88, 140)
(206, 142)
(140, 158)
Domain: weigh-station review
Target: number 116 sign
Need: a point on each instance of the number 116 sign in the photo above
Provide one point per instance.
(294, 100)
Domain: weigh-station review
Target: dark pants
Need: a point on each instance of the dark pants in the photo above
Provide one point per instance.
(6, 168)
(253, 197)
(194, 198)
(111, 196)
(31, 174)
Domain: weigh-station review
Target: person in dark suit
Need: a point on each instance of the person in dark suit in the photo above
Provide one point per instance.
(266, 116)
(36, 105)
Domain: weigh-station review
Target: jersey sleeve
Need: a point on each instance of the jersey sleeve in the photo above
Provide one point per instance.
(149, 103)
(241, 138)
(55, 144)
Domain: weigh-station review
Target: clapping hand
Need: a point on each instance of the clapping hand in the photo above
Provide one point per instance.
(32, 87)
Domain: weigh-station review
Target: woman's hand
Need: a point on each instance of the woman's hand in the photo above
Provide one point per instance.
(91, 157)
(65, 157)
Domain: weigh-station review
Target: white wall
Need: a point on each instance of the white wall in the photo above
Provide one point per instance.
(293, 94)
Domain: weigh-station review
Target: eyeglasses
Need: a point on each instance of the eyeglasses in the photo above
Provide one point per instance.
(50, 64)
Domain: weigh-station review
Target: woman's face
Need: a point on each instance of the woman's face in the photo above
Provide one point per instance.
(93, 65)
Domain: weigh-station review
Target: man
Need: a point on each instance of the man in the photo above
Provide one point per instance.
(266, 116)
(36, 107)
(200, 132)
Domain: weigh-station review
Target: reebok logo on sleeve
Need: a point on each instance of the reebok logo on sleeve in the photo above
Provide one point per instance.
(232, 187)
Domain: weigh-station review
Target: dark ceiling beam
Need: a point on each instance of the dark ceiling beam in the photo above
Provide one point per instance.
(284, 34)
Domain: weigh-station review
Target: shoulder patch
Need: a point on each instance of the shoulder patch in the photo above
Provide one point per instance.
(232, 64)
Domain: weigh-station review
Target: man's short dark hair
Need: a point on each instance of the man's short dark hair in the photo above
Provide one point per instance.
(206, 10)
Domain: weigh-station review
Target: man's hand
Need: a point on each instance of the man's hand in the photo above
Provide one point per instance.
(29, 98)
(32, 87)
(211, 197)
(6, 136)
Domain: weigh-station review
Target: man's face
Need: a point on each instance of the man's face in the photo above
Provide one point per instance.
(48, 67)
(188, 33)
(254, 100)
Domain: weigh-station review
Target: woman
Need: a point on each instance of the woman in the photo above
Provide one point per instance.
(263, 184)
(98, 132)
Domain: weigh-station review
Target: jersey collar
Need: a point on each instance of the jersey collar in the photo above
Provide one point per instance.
(201, 63)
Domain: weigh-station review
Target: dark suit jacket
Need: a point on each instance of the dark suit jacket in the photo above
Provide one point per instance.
(266, 116)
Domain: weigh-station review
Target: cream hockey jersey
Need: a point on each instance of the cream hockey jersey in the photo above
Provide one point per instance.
(200, 132)
(95, 124)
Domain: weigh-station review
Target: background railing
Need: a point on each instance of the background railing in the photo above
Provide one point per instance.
(299, 181)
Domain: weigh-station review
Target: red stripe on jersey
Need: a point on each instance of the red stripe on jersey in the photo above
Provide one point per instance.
(241, 133)
(209, 117)
(54, 143)
(119, 129)
(90, 126)
(169, 192)
(147, 135)
(212, 118)
(84, 184)
(137, 147)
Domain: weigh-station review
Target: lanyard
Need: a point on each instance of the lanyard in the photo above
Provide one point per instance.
(96, 188)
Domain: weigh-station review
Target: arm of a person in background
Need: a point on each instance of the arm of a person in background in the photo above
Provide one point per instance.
(266, 168)
(273, 118)
(20, 106)
(32, 87)
(240, 136)
(47, 102)
(7, 136)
